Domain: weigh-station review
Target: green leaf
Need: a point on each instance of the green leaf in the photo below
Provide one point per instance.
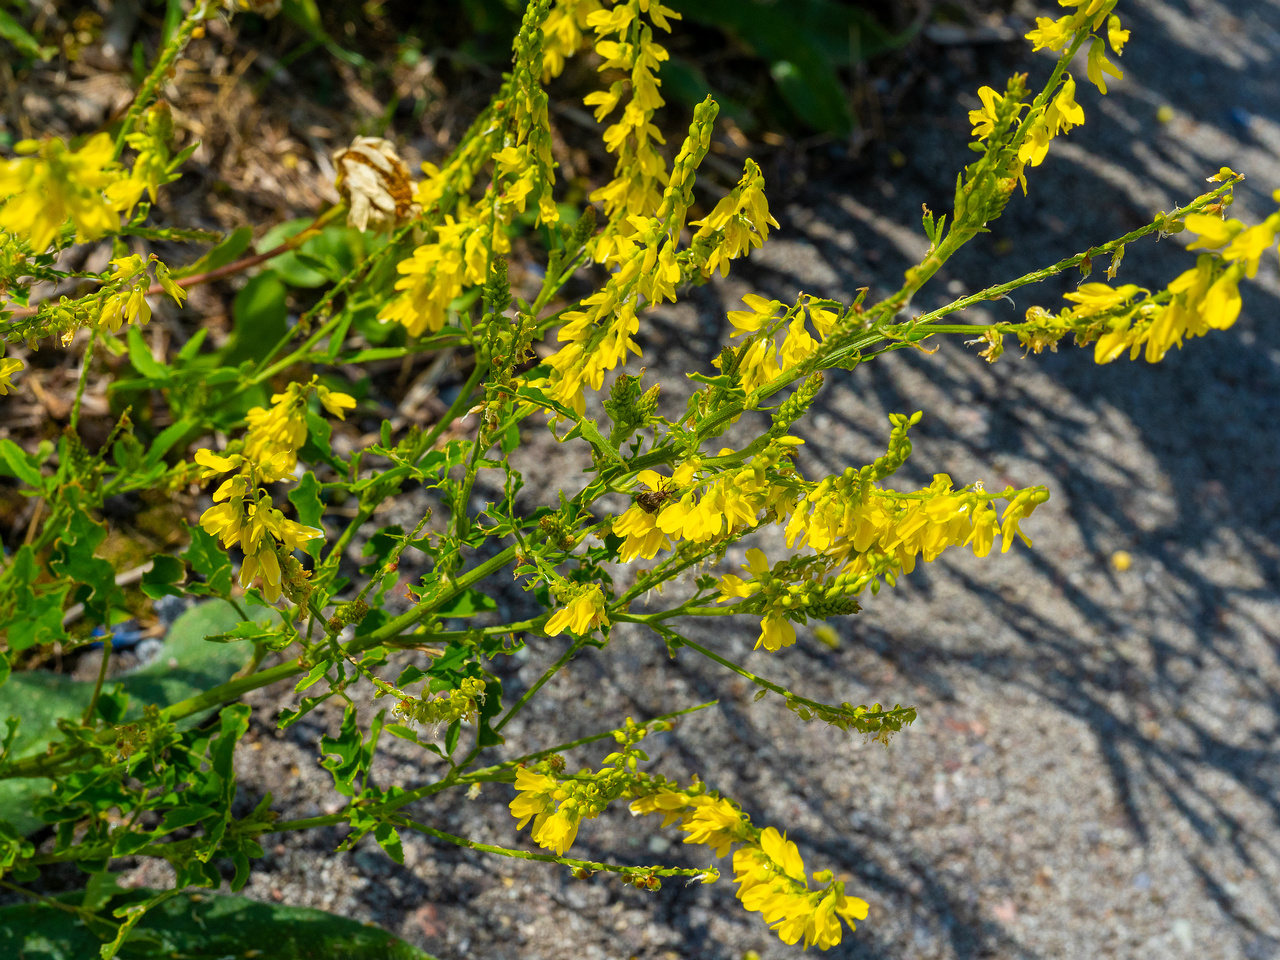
(468, 604)
(22, 41)
(94, 577)
(259, 311)
(186, 666)
(344, 754)
(389, 840)
(140, 356)
(209, 560)
(168, 437)
(233, 245)
(199, 926)
(37, 617)
(16, 462)
(160, 580)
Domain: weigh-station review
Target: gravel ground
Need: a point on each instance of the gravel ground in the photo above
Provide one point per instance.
(1093, 773)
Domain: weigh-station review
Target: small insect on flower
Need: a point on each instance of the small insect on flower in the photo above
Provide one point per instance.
(651, 501)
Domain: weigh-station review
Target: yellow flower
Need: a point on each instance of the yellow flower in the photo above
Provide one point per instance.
(534, 796)
(1116, 35)
(8, 367)
(775, 633)
(1214, 231)
(1251, 244)
(1098, 65)
(333, 401)
(749, 321)
(1050, 33)
(53, 183)
(984, 120)
(581, 615)
(714, 822)
(1099, 297)
(1221, 304)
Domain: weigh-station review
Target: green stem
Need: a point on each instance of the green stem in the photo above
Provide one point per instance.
(550, 672)
(84, 380)
(97, 687)
(545, 857)
(159, 73)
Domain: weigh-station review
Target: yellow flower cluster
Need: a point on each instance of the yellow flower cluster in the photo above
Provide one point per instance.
(768, 868)
(564, 33)
(1205, 297)
(126, 299)
(763, 359)
(554, 807)
(861, 533)
(49, 183)
(582, 613)
(558, 806)
(844, 516)
(625, 42)
(243, 513)
(737, 224)
(1061, 112)
(721, 506)
(459, 255)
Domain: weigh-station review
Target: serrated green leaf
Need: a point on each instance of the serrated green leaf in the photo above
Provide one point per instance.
(161, 579)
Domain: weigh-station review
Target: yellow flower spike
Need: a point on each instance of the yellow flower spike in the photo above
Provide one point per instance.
(1099, 66)
(8, 367)
(55, 184)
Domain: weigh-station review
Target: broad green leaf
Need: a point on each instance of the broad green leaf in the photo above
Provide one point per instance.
(259, 312)
(199, 926)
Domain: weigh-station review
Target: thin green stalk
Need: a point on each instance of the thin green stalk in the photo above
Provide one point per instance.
(550, 672)
(159, 73)
(545, 857)
(1002, 289)
(97, 687)
(84, 380)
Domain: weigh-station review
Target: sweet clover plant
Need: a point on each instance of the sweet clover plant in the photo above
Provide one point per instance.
(251, 423)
